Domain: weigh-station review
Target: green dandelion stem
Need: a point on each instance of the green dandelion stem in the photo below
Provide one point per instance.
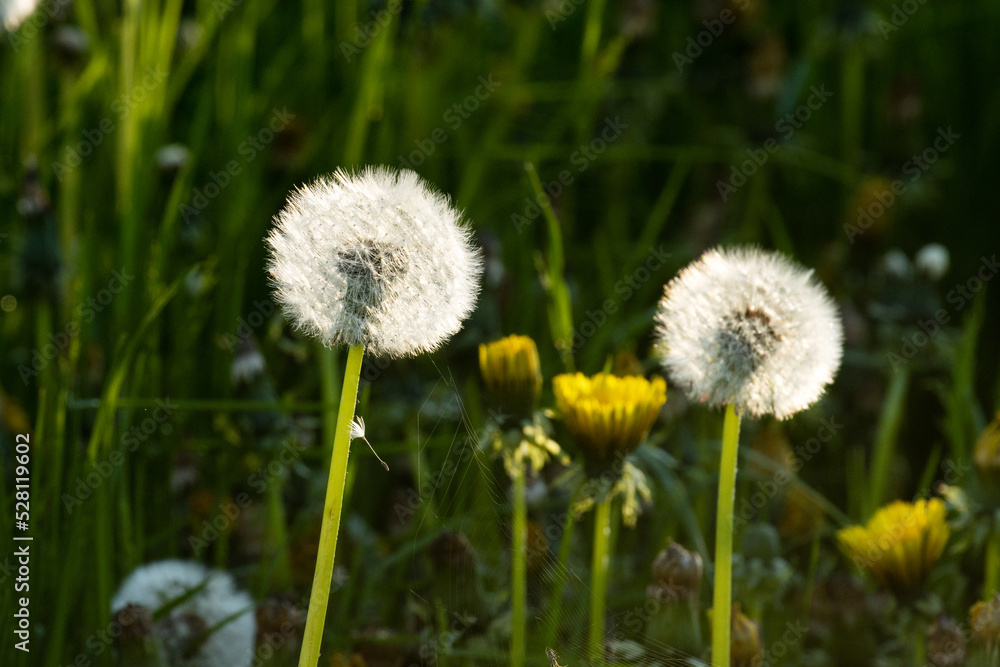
(320, 596)
(599, 579)
(723, 591)
(519, 576)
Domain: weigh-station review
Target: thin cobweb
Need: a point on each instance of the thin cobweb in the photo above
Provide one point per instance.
(572, 649)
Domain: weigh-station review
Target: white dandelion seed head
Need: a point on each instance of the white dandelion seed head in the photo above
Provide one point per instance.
(375, 258)
(751, 328)
(216, 601)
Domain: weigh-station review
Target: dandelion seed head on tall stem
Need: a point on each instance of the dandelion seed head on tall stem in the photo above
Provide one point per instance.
(376, 258)
(749, 328)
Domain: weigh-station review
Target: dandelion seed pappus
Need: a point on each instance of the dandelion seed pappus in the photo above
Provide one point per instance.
(358, 431)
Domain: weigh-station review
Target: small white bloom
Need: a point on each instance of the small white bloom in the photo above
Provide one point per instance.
(358, 431)
(897, 265)
(750, 328)
(375, 258)
(933, 260)
(14, 12)
(180, 634)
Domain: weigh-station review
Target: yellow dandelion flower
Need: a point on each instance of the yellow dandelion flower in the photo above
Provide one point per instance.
(512, 374)
(608, 415)
(900, 544)
(985, 620)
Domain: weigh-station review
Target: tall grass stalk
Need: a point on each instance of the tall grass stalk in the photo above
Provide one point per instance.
(885, 439)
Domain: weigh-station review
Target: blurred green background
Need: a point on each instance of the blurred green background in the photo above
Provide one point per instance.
(146, 145)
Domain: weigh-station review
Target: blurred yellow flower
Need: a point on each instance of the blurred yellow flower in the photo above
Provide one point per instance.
(900, 544)
(608, 415)
(985, 620)
(512, 374)
(987, 452)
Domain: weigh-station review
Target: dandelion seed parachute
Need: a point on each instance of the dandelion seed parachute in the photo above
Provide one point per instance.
(375, 258)
(216, 601)
(749, 328)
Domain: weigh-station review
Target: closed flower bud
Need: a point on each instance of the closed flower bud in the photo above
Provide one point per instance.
(986, 455)
(746, 648)
(676, 574)
(512, 374)
(945, 643)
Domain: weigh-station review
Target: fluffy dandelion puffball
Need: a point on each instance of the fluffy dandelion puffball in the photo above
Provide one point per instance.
(210, 623)
(375, 258)
(749, 328)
